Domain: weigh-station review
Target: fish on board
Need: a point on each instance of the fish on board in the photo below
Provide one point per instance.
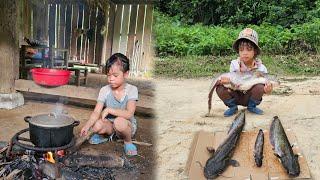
(283, 149)
(258, 148)
(221, 157)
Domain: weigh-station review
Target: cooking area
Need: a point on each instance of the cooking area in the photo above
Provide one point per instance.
(53, 64)
(28, 154)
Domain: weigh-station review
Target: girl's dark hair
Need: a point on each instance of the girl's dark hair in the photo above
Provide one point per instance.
(120, 59)
(247, 42)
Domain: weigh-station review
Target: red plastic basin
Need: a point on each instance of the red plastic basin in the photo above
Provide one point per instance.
(50, 77)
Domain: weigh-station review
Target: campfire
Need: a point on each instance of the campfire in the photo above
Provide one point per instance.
(20, 160)
(49, 157)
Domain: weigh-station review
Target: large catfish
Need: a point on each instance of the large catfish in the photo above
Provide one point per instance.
(221, 158)
(241, 81)
(283, 149)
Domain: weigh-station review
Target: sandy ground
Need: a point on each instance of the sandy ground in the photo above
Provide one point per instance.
(182, 104)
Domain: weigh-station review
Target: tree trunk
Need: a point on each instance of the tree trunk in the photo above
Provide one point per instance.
(9, 49)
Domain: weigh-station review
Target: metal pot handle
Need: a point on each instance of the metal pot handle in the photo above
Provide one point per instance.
(27, 119)
(75, 123)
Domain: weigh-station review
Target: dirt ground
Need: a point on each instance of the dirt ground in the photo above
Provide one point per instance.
(143, 165)
(182, 104)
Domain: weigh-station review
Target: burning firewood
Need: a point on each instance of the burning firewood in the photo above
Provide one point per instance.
(103, 160)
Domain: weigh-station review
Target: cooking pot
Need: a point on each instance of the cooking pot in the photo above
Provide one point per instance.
(51, 130)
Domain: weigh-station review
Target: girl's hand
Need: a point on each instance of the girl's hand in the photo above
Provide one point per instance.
(267, 88)
(224, 80)
(105, 113)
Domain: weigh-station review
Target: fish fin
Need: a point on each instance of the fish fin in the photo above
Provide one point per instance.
(234, 163)
(292, 145)
(277, 155)
(211, 150)
(296, 156)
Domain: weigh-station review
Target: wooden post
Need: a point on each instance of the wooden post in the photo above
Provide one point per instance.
(8, 45)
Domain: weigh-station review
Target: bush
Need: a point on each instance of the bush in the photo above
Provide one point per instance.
(174, 38)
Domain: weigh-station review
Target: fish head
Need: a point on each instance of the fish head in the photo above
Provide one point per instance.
(214, 168)
(292, 165)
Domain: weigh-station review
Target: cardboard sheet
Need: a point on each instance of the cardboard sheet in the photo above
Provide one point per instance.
(271, 166)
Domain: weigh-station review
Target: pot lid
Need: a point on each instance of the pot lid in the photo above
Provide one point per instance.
(51, 120)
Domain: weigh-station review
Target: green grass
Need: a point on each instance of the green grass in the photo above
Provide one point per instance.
(206, 66)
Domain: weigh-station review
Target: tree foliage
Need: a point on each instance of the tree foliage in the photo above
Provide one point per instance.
(235, 12)
(175, 38)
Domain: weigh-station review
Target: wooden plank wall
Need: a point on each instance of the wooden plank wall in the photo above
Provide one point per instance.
(131, 35)
(92, 35)
(70, 25)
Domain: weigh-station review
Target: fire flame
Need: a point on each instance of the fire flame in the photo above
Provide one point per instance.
(49, 157)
